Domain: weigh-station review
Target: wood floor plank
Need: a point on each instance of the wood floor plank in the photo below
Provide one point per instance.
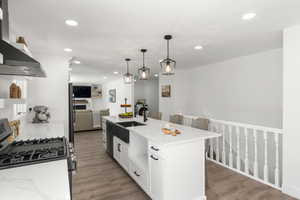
(100, 178)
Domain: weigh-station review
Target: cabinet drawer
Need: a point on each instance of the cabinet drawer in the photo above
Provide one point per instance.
(139, 175)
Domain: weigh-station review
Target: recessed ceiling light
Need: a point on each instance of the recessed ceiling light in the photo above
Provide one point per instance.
(71, 22)
(249, 16)
(115, 72)
(76, 62)
(104, 77)
(198, 47)
(68, 50)
(156, 75)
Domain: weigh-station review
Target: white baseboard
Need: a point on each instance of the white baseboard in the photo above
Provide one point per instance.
(201, 198)
(292, 191)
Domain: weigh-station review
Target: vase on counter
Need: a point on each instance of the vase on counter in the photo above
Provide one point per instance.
(21, 40)
(15, 91)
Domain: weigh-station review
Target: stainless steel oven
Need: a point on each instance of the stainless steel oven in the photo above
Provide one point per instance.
(5, 132)
(80, 107)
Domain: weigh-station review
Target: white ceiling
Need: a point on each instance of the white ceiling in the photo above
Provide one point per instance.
(111, 30)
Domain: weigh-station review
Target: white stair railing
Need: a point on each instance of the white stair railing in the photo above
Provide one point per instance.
(253, 151)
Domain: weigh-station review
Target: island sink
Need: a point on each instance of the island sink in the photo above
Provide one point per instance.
(130, 124)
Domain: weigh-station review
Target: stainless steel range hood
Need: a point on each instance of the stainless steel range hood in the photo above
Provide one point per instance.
(15, 61)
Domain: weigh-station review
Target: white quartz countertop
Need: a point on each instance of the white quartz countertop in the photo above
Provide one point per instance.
(45, 181)
(152, 131)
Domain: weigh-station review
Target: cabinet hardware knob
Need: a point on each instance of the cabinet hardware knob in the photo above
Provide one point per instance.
(153, 157)
(136, 174)
(155, 149)
(119, 149)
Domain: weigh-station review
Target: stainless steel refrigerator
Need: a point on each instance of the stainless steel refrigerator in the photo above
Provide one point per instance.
(72, 164)
(71, 114)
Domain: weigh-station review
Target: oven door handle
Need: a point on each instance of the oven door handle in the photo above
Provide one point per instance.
(73, 164)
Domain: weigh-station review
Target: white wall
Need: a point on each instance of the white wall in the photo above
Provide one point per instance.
(53, 90)
(291, 107)
(6, 112)
(147, 89)
(246, 89)
(122, 90)
(98, 103)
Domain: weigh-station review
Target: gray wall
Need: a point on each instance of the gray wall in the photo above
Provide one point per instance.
(148, 90)
(246, 89)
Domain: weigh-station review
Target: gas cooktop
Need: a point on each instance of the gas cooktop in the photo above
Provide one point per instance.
(27, 152)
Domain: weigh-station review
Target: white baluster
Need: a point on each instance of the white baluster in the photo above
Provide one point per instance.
(255, 154)
(266, 171)
(217, 146)
(238, 158)
(277, 160)
(246, 152)
(211, 144)
(210, 128)
(223, 144)
(230, 128)
(211, 148)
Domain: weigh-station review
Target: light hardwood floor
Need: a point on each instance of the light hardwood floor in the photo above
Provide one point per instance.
(100, 178)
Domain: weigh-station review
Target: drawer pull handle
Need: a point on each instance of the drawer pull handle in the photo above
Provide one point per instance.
(155, 149)
(153, 157)
(136, 174)
(119, 149)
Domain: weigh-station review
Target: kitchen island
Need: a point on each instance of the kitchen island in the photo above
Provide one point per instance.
(166, 167)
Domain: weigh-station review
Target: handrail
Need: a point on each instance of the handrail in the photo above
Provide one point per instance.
(239, 124)
(249, 126)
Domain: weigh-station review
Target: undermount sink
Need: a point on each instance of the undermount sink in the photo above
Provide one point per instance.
(130, 124)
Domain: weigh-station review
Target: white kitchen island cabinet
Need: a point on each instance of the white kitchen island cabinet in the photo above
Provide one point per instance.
(177, 171)
(121, 153)
(166, 167)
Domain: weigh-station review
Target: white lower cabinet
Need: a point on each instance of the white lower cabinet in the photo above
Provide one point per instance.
(156, 175)
(121, 153)
(176, 171)
(117, 149)
(124, 160)
(156, 163)
(139, 175)
(104, 139)
(104, 133)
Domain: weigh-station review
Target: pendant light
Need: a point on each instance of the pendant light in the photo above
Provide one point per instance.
(128, 78)
(168, 65)
(144, 72)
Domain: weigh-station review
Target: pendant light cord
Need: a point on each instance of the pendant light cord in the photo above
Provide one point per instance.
(127, 67)
(167, 49)
(144, 59)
